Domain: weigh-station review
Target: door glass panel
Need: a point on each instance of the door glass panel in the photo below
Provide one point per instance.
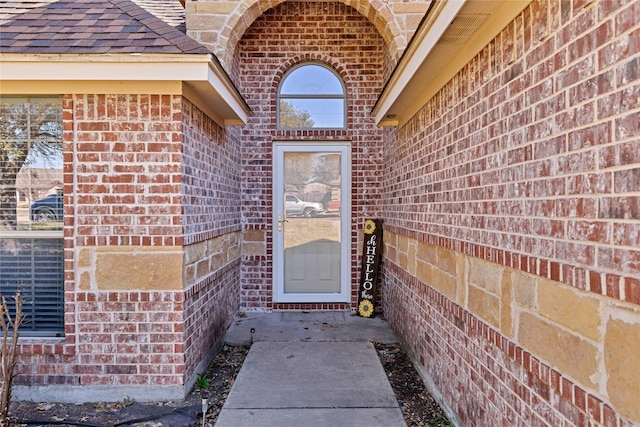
(312, 230)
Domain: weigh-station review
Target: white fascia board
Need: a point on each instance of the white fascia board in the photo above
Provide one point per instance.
(199, 71)
(103, 67)
(223, 86)
(443, 14)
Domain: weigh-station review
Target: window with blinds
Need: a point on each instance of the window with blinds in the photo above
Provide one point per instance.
(31, 211)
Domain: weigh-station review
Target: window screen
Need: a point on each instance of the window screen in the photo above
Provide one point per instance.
(31, 211)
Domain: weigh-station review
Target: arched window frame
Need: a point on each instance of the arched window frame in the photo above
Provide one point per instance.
(314, 97)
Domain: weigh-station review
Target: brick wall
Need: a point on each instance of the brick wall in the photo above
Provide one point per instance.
(290, 33)
(127, 170)
(152, 241)
(211, 207)
(210, 176)
(515, 274)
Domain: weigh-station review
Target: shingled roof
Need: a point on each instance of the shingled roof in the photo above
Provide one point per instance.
(92, 27)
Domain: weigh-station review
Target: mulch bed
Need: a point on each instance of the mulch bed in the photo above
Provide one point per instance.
(418, 407)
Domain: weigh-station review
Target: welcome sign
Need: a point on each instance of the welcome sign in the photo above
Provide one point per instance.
(371, 251)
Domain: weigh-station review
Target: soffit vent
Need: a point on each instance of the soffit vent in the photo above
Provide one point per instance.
(462, 28)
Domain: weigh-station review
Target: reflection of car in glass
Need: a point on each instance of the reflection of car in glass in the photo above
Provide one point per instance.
(47, 209)
(333, 206)
(295, 206)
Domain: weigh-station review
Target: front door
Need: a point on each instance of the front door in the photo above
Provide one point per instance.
(312, 189)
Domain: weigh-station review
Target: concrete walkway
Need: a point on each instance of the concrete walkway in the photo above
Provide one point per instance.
(310, 369)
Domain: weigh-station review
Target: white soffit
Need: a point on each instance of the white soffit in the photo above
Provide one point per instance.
(208, 84)
(452, 33)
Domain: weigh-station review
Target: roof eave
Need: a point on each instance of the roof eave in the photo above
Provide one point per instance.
(210, 86)
(428, 64)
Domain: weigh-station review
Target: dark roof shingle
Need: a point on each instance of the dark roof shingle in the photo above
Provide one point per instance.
(92, 26)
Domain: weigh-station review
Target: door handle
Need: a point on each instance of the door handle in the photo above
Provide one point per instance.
(280, 222)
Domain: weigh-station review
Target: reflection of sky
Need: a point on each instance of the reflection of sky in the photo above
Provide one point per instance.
(33, 122)
(37, 161)
(316, 80)
(311, 80)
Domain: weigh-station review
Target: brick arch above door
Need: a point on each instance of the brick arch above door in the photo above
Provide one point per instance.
(219, 27)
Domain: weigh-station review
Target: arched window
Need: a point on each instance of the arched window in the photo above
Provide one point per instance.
(311, 96)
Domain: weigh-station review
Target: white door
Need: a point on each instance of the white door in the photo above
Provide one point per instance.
(312, 215)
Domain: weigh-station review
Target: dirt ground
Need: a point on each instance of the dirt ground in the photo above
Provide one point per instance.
(418, 406)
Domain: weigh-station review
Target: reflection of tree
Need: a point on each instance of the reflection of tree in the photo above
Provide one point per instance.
(28, 131)
(292, 118)
(326, 168)
(314, 177)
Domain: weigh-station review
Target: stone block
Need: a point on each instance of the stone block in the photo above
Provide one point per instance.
(403, 243)
(254, 248)
(525, 289)
(425, 271)
(84, 258)
(506, 306)
(484, 305)
(205, 22)
(193, 253)
(138, 269)
(253, 235)
(622, 361)
(569, 307)
(446, 284)
(216, 262)
(461, 277)
(203, 267)
(412, 22)
(412, 253)
(438, 280)
(391, 254)
(389, 245)
(485, 275)
(446, 260)
(233, 252)
(84, 283)
(217, 245)
(427, 253)
(390, 238)
(234, 238)
(189, 275)
(403, 260)
(218, 7)
(560, 349)
(417, 8)
(205, 37)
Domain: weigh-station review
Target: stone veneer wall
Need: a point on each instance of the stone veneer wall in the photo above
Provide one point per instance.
(512, 203)
(294, 32)
(151, 251)
(220, 24)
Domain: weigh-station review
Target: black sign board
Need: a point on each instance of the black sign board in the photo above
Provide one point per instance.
(371, 251)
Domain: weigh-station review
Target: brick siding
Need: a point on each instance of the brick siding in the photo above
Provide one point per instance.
(335, 35)
(211, 218)
(210, 176)
(149, 290)
(511, 204)
(127, 170)
(522, 178)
